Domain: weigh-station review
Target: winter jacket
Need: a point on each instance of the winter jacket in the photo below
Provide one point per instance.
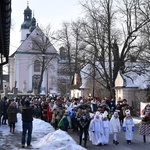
(27, 114)
(12, 114)
(83, 119)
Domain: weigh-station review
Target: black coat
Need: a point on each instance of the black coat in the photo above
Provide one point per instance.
(27, 114)
(12, 114)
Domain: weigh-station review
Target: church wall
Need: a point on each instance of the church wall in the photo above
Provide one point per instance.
(119, 93)
(23, 71)
(11, 70)
(126, 93)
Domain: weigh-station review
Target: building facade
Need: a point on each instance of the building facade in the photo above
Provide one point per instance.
(35, 57)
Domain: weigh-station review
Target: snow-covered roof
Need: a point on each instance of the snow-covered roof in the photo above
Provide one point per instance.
(138, 78)
(140, 81)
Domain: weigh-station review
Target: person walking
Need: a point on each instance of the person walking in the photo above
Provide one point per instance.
(64, 123)
(144, 128)
(44, 110)
(83, 119)
(12, 116)
(49, 113)
(128, 127)
(73, 119)
(97, 130)
(115, 127)
(27, 126)
(106, 128)
(4, 110)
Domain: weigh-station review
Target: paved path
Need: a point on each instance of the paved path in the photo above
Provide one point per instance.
(137, 143)
(8, 141)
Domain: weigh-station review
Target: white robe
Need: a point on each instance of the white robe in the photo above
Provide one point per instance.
(115, 125)
(128, 124)
(106, 131)
(96, 126)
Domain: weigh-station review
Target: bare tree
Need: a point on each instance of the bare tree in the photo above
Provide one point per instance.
(69, 37)
(44, 52)
(112, 29)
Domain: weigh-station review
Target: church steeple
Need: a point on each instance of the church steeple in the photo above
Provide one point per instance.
(29, 23)
(27, 18)
(33, 24)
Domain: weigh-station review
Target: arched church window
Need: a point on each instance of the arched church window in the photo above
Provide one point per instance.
(36, 66)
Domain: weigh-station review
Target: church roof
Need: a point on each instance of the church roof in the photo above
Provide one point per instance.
(37, 32)
(26, 24)
(132, 79)
(33, 24)
(27, 10)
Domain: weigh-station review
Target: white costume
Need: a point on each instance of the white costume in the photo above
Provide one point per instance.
(115, 126)
(96, 130)
(128, 126)
(106, 128)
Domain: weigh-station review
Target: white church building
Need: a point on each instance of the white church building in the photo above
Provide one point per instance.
(26, 62)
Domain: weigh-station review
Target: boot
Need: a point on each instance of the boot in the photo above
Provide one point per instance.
(13, 130)
(129, 142)
(85, 143)
(116, 142)
(10, 127)
(80, 141)
(2, 121)
(144, 138)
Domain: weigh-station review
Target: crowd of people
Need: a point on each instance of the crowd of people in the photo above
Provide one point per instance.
(91, 118)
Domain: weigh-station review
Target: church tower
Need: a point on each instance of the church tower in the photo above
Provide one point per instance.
(28, 25)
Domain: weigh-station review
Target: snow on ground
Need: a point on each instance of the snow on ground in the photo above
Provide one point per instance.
(47, 137)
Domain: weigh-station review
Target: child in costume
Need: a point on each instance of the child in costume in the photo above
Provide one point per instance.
(128, 126)
(96, 130)
(106, 127)
(115, 126)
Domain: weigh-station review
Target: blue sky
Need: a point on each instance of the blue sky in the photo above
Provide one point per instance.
(46, 12)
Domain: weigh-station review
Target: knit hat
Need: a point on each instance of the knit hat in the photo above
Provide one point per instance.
(97, 113)
(115, 113)
(127, 112)
(105, 114)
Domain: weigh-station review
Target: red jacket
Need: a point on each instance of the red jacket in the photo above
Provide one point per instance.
(49, 113)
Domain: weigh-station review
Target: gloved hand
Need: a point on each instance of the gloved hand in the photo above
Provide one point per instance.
(124, 129)
(132, 128)
(93, 131)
